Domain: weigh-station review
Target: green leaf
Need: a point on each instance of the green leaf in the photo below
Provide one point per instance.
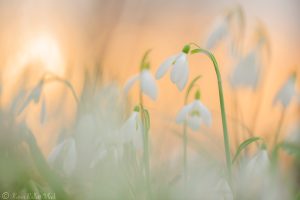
(243, 145)
(291, 149)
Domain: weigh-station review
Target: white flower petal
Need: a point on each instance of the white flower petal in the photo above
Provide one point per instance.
(182, 114)
(246, 72)
(138, 136)
(218, 33)
(204, 113)
(129, 127)
(163, 68)
(184, 78)
(258, 165)
(194, 122)
(286, 93)
(132, 130)
(178, 68)
(148, 84)
(129, 83)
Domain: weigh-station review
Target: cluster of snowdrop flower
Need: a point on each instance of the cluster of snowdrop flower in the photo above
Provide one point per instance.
(194, 113)
(107, 153)
(127, 142)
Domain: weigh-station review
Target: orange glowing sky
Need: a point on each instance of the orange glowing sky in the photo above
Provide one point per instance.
(115, 34)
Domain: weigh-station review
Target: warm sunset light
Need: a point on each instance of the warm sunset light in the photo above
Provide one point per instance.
(45, 50)
(150, 100)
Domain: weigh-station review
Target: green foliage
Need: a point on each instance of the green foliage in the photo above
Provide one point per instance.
(244, 145)
(291, 149)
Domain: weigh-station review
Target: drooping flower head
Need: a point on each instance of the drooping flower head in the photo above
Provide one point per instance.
(145, 80)
(287, 92)
(180, 69)
(131, 130)
(194, 114)
(229, 26)
(246, 71)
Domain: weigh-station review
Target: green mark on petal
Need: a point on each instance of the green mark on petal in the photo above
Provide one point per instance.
(195, 113)
(197, 95)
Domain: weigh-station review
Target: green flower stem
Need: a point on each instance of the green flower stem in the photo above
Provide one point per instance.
(222, 106)
(185, 136)
(145, 145)
(145, 64)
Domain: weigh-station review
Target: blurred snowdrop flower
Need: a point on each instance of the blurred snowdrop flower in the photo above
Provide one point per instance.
(180, 69)
(131, 130)
(230, 26)
(218, 32)
(258, 164)
(287, 92)
(194, 114)
(64, 152)
(146, 81)
(293, 136)
(247, 71)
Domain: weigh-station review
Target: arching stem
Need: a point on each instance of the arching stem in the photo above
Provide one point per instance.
(222, 106)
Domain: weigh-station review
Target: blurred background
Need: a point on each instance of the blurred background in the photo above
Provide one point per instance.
(86, 50)
(105, 39)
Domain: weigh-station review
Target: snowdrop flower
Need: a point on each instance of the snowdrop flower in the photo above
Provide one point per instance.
(287, 92)
(219, 32)
(259, 164)
(247, 71)
(147, 83)
(230, 27)
(293, 136)
(65, 151)
(180, 70)
(194, 114)
(132, 129)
